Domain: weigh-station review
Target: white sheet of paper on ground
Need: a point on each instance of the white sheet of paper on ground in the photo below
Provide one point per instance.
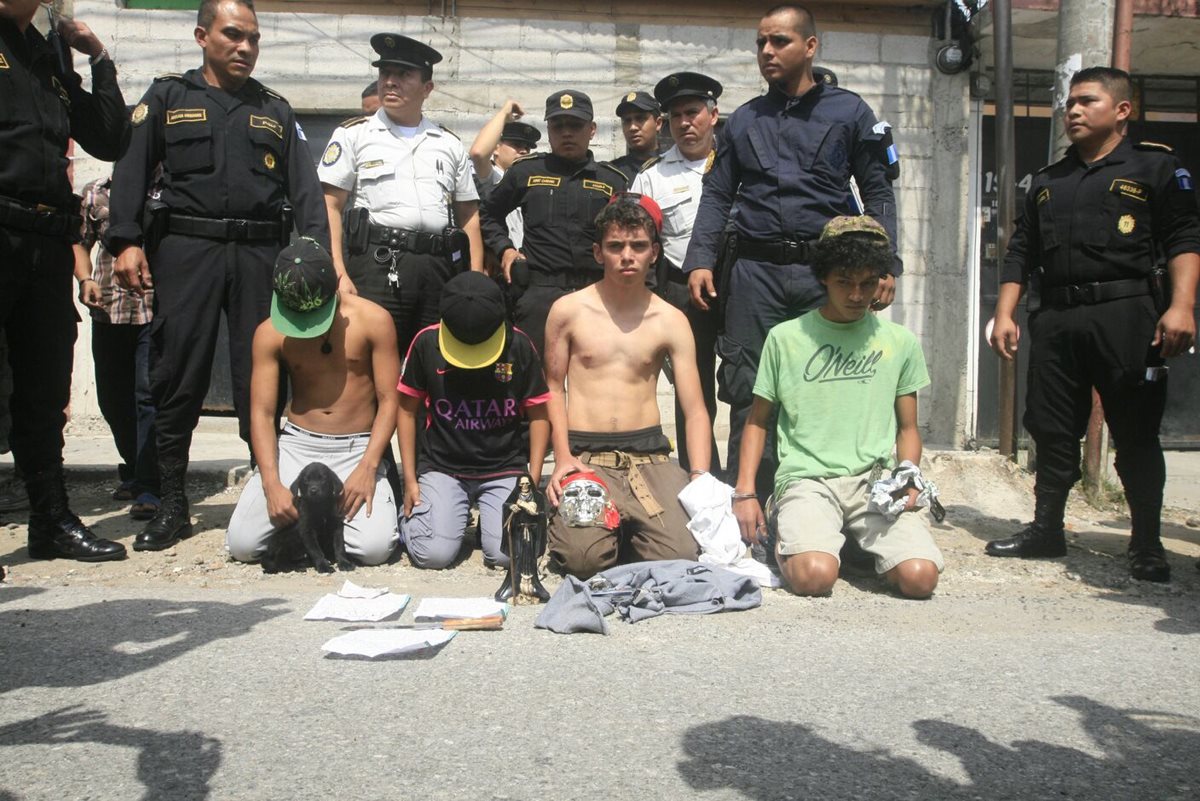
(447, 608)
(755, 570)
(352, 590)
(360, 610)
(386, 642)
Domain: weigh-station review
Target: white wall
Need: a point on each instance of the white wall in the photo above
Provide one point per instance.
(321, 62)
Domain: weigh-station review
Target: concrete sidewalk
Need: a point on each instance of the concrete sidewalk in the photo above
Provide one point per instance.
(217, 452)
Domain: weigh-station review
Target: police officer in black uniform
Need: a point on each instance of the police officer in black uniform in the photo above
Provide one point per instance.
(787, 157)
(42, 107)
(641, 120)
(1096, 224)
(559, 193)
(234, 166)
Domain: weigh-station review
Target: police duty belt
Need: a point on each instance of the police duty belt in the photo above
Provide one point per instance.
(777, 251)
(39, 218)
(406, 241)
(225, 229)
(619, 460)
(1096, 292)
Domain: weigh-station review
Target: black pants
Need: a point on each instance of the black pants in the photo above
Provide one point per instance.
(760, 296)
(531, 310)
(414, 304)
(40, 323)
(194, 280)
(704, 332)
(1106, 346)
(121, 353)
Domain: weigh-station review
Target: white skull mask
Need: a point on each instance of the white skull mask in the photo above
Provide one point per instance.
(584, 503)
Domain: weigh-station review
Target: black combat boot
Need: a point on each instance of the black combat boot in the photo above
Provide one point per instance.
(1044, 537)
(173, 521)
(1147, 558)
(54, 530)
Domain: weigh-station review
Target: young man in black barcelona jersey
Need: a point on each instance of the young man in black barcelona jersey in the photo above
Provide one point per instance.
(477, 377)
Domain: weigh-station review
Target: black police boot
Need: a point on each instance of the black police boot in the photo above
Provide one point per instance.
(1044, 537)
(1147, 558)
(54, 530)
(173, 521)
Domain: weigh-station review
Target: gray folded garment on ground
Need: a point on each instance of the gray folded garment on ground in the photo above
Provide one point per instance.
(646, 589)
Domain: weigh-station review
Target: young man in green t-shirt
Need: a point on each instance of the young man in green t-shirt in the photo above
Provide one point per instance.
(845, 386)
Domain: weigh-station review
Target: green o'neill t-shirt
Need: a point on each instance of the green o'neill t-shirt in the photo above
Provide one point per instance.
(836, 386)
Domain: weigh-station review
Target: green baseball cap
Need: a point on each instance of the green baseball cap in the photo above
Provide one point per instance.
(304, 300)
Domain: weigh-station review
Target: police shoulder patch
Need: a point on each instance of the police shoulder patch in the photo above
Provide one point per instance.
(1154, 146)
(138, 116)
(350, 123)
(332, 154)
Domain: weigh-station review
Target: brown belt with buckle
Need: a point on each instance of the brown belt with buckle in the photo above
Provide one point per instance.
(620, 460)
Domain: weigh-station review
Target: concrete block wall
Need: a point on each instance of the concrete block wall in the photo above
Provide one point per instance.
(320, 62)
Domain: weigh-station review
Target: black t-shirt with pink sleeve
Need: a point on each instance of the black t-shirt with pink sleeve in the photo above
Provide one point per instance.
(473, 417)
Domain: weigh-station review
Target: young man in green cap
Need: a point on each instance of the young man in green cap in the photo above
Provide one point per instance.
(340, 355)
(845, 385)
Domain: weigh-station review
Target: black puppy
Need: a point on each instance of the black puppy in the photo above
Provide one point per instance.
(318, 495)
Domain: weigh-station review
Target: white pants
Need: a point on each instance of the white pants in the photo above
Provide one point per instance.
(369, 540)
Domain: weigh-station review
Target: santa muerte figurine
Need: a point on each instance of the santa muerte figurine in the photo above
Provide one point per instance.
(525, 542)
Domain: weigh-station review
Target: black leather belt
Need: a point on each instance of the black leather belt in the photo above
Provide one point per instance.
(1097, 292)
(565, 279)
(39, 219)
(224, 229)
(780, 251)
(411, 241)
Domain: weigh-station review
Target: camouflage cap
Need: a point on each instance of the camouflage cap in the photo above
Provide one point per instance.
(858, 224)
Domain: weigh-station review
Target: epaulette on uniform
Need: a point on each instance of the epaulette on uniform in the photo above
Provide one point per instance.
(452, 133)
(1154, 146)
(604, 164)
(527, 157)
(350, 123)
(168, 76)
(648, 163)
(273, 93)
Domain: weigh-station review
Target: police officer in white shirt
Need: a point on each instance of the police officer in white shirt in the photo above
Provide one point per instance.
(415, 220)
(674, 180)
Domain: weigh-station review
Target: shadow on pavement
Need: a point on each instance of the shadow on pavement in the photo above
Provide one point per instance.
(176, 765)
(1143, 755)
(100, 642)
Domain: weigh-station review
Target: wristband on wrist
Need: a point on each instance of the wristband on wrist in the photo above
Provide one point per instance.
(96, 59)
(744, 496)
(697, 472)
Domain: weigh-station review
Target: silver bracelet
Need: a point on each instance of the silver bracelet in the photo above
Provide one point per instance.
(96, 59)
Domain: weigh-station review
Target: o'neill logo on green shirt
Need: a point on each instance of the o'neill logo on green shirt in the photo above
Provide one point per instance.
(831, 363)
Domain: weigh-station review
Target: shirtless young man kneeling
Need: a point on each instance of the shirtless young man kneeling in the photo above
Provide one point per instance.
(340, 353)
(608, 343)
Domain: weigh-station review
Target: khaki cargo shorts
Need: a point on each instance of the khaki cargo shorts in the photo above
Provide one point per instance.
(817, 514)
